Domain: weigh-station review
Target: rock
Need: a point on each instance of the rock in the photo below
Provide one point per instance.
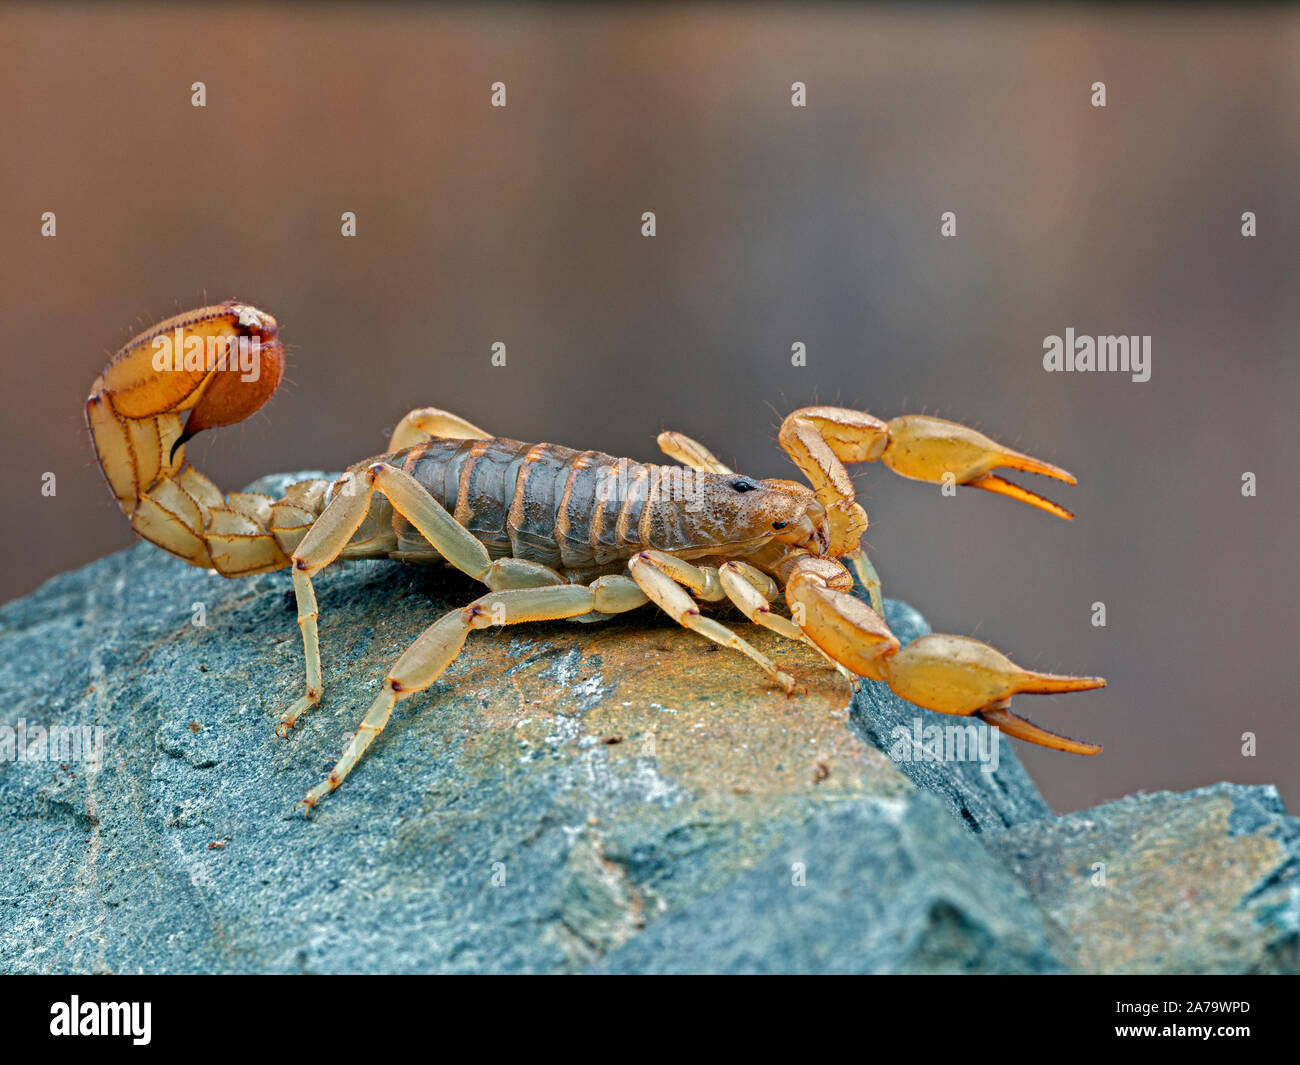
(884, 886)
(1206, 881)
(562, 788)
(615, 797)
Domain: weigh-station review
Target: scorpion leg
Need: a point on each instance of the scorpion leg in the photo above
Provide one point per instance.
(332, 531)
(425, 422)
(690, 453)
(437, 647)
(751, 591)
(950, 674)
(867, 576)
(661, 577)
(324, 541)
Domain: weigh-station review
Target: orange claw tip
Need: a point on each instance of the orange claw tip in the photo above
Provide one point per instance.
(1053, 683)
(1017, 726)
(991, 482)
(1015, 460)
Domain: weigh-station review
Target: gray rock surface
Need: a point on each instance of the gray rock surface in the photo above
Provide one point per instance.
(1205, 881)
(566, 798)
(875, 886)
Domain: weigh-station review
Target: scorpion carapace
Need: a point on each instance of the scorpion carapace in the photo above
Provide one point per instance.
(553, 532)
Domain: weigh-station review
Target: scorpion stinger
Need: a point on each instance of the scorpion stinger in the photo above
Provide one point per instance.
(219, 364)
(550, 531)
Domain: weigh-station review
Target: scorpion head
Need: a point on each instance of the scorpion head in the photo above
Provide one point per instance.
(736, 510)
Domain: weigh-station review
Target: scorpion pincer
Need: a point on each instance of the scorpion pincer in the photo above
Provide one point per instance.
(553, 532)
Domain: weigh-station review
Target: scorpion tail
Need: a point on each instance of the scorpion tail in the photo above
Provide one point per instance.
(219, 364)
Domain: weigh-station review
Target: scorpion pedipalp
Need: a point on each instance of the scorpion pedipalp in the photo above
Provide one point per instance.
(917, 446)
(927, 449)
(949, 674)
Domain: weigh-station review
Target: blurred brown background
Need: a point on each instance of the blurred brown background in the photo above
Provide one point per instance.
(775, 225)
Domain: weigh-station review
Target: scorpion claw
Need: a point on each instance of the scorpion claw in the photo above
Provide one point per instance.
(991, 482)
(1014, 725)
(949, 674)
(932, 449)
(958, 675)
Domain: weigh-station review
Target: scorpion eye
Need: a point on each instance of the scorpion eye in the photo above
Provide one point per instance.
(779, 524)
(744, 484)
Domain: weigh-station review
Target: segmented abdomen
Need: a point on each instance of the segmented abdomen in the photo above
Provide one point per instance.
(546, 503)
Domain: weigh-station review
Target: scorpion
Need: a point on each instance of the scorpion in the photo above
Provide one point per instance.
(554, 532)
